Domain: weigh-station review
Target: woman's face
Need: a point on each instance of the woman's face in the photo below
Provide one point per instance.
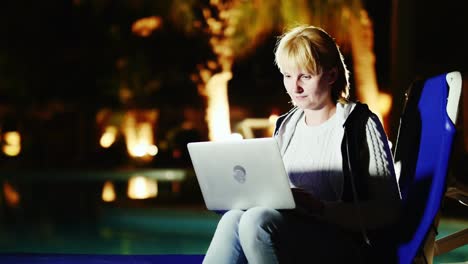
(307, 91)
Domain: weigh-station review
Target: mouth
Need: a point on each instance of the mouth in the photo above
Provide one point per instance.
(300, 97)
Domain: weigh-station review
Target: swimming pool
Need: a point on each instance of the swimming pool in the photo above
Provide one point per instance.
(141, 231)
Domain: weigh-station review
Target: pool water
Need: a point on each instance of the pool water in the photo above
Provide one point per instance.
(141, 231)
(129, 231)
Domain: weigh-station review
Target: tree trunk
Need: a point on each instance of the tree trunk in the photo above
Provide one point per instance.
(365, 76)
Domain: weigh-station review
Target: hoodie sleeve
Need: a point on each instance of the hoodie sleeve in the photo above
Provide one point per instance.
(382, 207)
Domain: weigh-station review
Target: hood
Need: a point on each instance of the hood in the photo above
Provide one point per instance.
(286, 124)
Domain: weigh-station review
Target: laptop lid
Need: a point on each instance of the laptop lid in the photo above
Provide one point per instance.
(241, 174)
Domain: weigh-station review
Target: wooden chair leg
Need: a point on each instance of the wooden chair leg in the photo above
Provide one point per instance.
(451, 242)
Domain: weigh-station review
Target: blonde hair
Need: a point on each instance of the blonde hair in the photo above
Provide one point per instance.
(312, 49)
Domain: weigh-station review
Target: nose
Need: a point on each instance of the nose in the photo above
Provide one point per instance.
(297, 87)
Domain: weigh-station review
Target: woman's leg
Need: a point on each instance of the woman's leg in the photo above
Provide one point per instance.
(304, 239)
(270, 236)
(225, 246)
(258, 229)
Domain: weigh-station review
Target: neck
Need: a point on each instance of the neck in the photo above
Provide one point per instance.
(315, 117)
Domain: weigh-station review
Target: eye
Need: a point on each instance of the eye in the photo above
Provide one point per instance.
(306, 76)
(286, 75)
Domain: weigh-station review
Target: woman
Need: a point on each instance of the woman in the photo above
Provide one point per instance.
(339, 164)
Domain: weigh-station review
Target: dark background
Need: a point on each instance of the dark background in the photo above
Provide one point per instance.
(61, 61)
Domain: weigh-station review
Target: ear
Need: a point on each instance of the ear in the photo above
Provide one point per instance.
(332, 75)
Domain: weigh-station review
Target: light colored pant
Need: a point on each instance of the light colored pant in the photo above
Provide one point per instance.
(263, 235)
(243, 235)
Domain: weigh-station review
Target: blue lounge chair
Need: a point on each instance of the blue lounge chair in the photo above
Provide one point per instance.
(422, 152)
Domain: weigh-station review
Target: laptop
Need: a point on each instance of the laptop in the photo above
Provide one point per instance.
(241, 174)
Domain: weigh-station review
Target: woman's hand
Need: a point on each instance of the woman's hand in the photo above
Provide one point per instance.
(307, 201)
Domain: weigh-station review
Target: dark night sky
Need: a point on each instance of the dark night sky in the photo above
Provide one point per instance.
(55, 49)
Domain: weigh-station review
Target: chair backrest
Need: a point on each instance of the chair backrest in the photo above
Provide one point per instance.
(422, 151)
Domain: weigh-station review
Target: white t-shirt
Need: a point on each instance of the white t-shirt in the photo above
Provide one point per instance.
(313, 157)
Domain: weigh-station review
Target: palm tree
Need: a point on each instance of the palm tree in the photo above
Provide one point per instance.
(237, 27)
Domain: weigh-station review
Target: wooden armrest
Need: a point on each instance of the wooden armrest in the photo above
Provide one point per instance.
(457, 193)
